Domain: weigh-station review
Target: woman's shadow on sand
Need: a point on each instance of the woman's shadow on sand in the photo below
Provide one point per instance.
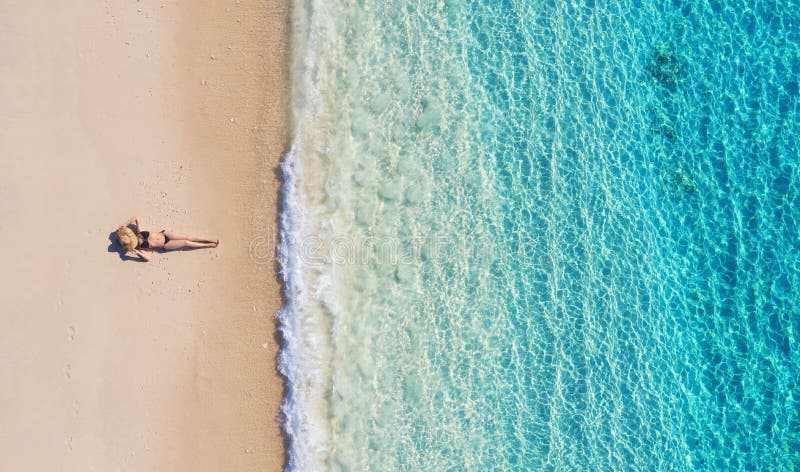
(115, 247)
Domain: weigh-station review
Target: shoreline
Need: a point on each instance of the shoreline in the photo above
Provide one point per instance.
(118, 365)
(239, 70)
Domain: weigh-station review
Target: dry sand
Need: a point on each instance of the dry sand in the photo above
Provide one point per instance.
(175, 113)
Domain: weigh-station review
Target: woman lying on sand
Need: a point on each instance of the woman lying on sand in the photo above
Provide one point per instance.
(135, 242)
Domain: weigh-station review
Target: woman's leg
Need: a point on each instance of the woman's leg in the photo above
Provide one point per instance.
(172, 235)
(184, 243)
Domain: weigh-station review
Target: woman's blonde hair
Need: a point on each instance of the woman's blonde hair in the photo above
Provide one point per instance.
(127, 238)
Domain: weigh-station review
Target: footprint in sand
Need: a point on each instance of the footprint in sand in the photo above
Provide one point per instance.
(71, 333)
(68, 371)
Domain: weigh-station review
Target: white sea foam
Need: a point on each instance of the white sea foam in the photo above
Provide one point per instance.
(305, 355)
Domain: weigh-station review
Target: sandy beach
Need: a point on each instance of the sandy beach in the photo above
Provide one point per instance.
(175, 114)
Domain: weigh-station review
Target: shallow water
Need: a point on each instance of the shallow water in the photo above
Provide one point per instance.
(525, 236)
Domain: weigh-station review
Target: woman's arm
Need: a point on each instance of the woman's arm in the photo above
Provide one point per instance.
(134, 221)
(142, 254)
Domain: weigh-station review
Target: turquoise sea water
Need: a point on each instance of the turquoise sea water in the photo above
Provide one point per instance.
(543, 236)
